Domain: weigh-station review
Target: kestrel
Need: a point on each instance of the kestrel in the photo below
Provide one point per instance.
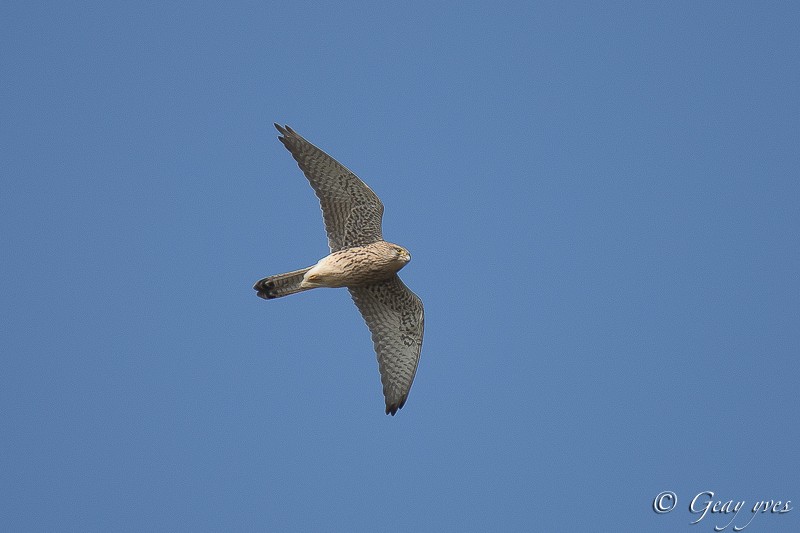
(361, 261)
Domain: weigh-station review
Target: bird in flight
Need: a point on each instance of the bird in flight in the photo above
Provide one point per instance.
(361, 261)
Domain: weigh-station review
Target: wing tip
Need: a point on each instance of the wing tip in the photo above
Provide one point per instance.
(284, 130)
(393, 407)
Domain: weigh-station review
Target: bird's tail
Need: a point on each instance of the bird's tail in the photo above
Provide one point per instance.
(281, 284)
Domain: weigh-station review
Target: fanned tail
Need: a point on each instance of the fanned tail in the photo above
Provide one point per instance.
(281, 284)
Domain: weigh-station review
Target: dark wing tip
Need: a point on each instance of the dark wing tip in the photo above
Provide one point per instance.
(289, 138)
(392, 408)
(285, 130)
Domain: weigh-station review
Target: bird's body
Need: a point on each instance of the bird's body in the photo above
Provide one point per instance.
(361, 261)
(357, 266)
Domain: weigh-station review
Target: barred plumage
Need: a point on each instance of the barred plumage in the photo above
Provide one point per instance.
(361, 261)
(281, 284)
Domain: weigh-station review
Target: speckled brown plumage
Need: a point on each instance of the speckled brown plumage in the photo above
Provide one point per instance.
(361, 261)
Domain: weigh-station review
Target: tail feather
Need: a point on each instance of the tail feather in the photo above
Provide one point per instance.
(281, 284)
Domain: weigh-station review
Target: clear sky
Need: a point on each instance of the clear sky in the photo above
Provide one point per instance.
(602, 201)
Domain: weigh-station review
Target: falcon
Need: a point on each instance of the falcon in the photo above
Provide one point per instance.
(361, 261)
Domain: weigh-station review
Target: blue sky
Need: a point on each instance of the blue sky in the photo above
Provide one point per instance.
(601, 201)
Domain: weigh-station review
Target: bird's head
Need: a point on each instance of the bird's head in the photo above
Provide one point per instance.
(402, 254)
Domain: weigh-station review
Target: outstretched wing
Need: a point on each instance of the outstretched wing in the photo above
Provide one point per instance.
(396, 318)
(352, 212)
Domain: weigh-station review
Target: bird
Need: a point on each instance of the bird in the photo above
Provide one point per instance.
(360, 260)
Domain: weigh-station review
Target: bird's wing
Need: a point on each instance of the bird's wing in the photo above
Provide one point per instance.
(352, 212)
(396, 318)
